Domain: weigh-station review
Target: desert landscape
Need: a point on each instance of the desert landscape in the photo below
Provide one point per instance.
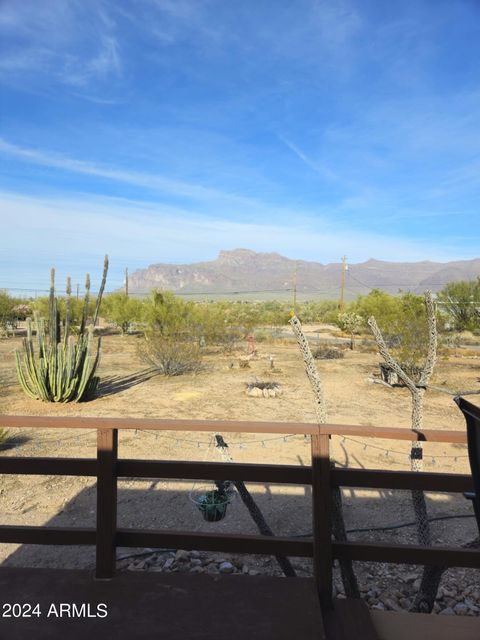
(218, 391)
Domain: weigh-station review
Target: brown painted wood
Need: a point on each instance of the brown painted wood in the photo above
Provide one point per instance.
(322, 525)
(147, 605)
(229, 426)
(75, 422)
(161, 539)
(107, 451)
(47, 535)
(292, 474)
(349, 620)
(377, 479)
(395, 433)
(418, 626)
(407, 554)
(49, 466)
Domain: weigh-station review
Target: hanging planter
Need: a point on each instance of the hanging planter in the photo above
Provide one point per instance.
(213, 505)
(213, 502)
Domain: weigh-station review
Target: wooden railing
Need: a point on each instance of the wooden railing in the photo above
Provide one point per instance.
(107, 468)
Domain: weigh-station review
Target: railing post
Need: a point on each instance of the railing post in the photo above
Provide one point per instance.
(322, 523)
(107, 450)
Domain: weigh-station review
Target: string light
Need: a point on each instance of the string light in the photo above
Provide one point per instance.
(241, 445)
(400, 453)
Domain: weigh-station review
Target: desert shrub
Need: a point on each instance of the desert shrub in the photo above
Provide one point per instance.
(350, 322)
(123, 311)
(403, 322)
(171, 355)
(379, 304)
(41, 306)
(320, 311)
(328, 353)
(7, 313)
(460, 301)
(261, 335)
(169, 315)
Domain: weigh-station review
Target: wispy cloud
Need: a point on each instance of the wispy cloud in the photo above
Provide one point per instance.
(104, 64)
(75, 44)
(151, 181)
(322, 170)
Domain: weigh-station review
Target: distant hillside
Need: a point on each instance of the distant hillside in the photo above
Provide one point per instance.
(271, 275)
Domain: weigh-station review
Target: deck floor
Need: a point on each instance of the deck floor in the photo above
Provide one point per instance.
(163, 606)
(146, 605)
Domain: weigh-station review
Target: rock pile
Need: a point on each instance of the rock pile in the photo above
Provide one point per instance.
(384, 588)
(182, 561)
(263, 389)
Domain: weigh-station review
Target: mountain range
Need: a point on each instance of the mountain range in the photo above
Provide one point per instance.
(264, 275)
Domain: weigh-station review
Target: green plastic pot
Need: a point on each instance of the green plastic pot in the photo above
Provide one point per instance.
(213, 505)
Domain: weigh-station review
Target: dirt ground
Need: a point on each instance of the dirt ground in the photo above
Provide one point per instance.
(128, 388)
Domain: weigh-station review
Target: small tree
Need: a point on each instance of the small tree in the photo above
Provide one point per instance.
(7, 312)
(461, 301)
(123, 310)
(350, 322)
(74, 306)
(169, 315)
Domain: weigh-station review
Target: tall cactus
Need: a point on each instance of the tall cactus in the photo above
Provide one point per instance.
(65, 368)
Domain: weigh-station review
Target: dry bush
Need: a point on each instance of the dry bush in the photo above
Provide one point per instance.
(328, 353)
(171, 356)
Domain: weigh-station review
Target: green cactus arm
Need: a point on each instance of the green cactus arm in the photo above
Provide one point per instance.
(100, 292)
(68, 311)
(21, 378)
(86, 300)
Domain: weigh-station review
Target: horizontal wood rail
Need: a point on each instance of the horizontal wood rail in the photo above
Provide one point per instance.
(272, 473)
(107, 468)
(228, 426)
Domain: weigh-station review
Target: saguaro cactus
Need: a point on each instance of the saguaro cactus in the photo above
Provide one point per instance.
(64, 370)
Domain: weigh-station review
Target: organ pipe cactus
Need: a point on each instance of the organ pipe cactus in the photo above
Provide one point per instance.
(64, 370)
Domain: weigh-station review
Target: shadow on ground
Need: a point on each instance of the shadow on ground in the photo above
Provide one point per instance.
(116, 384)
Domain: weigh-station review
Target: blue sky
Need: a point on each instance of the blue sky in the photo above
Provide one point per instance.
(166, 130)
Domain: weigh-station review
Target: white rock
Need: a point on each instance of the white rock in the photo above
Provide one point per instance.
(197, 569)
(226, 567)
(447, 612)
(460, 609)
(212, 568)
(392, 605)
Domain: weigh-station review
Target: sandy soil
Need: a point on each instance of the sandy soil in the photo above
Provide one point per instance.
(128, 389)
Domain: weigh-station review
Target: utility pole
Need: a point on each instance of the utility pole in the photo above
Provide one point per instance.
(126, 281)
(341, 306)
(78, 290)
